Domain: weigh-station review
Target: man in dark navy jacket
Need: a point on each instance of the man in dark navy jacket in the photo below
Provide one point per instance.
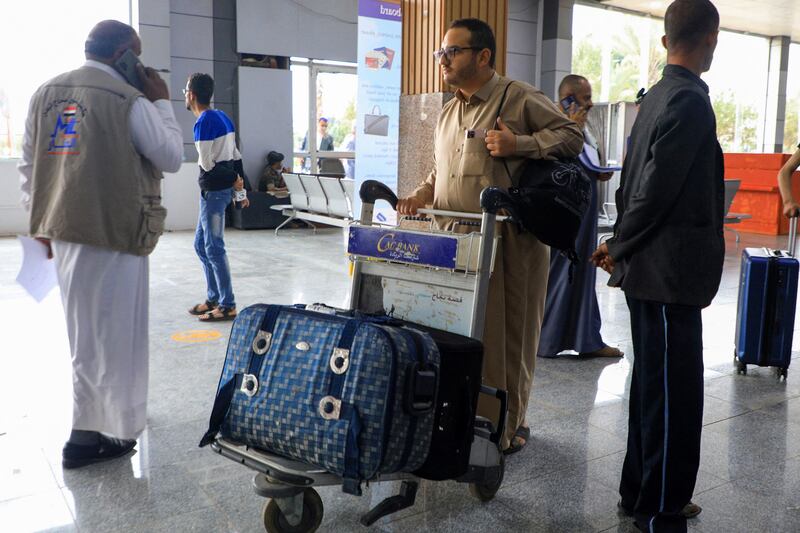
(666, 255)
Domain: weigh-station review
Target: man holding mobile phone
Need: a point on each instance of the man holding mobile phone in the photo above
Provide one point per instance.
(93, 155)
(571, 314)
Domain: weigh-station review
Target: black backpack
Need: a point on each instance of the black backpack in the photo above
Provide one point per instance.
(549, 200)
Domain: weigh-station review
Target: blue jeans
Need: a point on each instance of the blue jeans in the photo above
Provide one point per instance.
(209, 243)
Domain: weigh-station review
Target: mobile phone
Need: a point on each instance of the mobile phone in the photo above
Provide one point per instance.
(126, 65)
(567, 102)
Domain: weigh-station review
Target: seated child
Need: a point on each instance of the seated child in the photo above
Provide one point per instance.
(272, 178)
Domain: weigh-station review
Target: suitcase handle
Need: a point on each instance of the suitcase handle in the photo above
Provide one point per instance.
(793, 233)
(421, 383)
(501, 424)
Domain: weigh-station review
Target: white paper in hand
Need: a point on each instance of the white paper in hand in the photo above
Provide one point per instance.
(38, 273)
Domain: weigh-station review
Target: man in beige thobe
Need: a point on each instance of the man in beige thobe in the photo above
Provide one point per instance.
(469, 148)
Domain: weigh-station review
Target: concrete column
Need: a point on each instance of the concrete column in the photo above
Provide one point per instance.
(524, 41)
(226, 59)
(775, 119)
(556, 43)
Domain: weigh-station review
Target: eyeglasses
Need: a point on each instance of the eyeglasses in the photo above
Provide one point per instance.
(451, 51)
(185, 91)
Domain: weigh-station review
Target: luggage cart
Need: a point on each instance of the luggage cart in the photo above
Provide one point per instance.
(395, 271)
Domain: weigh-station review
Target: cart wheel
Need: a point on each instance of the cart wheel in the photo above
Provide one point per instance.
(486, 491)
(275, 521)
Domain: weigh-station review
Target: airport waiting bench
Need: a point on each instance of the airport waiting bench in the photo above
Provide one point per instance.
(316, 198)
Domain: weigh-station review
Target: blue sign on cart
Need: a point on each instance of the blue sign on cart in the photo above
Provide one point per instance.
(396, 245)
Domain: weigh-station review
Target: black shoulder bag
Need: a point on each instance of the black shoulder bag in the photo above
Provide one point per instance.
(549, 199)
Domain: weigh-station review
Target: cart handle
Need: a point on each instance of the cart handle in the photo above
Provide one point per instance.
(492, 199)
(373, 190)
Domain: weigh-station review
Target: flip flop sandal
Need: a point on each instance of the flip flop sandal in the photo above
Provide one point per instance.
(523, 433)
(197, 311)
(211, 316)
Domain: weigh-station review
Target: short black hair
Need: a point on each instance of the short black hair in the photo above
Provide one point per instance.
(274, 157)
(571, 82)
(480, 35)
(687, 22)
(106, 37)
(202, 85)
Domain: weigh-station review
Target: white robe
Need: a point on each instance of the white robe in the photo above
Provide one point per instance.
(105, 296)
(105, 293)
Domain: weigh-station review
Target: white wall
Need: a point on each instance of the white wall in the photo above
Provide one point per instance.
(302, 28)
(13, 218)
(265, 98)
(179, 191)
(180, 194)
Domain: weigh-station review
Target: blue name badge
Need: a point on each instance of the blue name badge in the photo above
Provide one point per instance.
(403, 246)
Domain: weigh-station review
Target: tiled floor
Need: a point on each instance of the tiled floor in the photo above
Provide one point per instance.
(565, 480)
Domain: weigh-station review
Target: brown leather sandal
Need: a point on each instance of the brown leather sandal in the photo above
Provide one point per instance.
(521, 437)
(218, 314)
(203, 308)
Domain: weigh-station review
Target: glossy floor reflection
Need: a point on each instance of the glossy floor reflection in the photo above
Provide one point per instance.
(565, 480)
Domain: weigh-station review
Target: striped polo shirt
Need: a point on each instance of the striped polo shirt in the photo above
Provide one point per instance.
(218, 157)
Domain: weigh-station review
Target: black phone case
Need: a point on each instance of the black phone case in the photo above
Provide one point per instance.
(126, 65)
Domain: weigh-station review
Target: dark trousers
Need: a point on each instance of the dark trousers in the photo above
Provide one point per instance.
(666, 414)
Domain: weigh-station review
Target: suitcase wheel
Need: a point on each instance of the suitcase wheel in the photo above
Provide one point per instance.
(275, 521)
(741, 368)
(782, 373)
(486, 490)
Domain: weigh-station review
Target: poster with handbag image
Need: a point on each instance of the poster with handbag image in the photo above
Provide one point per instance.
(378, 105)
(376, 123)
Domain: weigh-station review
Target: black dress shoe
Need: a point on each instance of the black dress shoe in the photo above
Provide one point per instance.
(690, 510)
(76, 456)
(624, 510)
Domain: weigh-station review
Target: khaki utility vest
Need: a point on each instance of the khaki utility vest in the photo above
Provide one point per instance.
(89, 184)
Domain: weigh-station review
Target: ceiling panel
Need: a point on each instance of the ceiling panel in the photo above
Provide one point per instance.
(763, 17)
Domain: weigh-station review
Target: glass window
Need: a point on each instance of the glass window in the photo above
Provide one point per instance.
(300, 108)
(334, 86)
(739, 101)
(617, 52)
(620, 53)
(40, 40)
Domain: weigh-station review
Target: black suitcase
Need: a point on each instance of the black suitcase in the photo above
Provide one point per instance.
(461, 360)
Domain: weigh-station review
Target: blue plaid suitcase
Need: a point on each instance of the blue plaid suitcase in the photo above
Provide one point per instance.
(350, 395)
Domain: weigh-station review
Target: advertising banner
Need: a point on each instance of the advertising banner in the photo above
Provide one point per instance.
(405, 247)
(380, 41)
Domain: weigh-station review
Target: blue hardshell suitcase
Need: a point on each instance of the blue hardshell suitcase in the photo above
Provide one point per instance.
(347, 394)
(766, 309)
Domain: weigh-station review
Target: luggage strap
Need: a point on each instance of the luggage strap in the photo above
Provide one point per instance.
(339, 364)
(248, 382)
